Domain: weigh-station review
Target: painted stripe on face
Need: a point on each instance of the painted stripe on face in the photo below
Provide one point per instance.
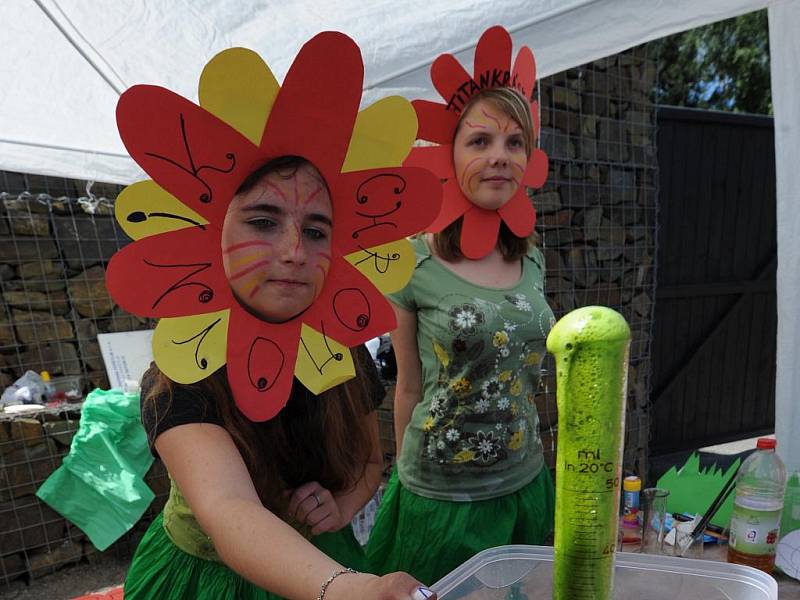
(313, 195)
(466, 172)
(249, 244)
(491, 117)
(274, 188)
(251, 268)
(473, 125)
(251, 282)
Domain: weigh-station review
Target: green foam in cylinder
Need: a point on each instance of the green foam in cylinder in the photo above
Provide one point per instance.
(590, 346)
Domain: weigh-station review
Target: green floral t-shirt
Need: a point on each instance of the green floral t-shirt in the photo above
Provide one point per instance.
(475, 433)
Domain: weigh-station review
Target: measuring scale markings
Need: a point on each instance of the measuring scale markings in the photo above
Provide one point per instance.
(591, 350)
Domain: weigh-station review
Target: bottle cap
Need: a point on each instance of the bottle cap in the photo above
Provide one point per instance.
(631, 483)
(766, 443)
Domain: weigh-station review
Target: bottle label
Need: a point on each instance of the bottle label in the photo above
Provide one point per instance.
(630, 511)
(754, 531)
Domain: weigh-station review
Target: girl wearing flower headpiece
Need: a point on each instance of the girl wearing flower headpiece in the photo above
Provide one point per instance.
(312, 467)
(272, 224)
(471, 332)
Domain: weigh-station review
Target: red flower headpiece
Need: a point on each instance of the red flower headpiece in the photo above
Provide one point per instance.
(438, 122)
(199, 155)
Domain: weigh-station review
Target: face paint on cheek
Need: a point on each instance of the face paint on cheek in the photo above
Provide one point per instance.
(519, 171)
(323, 260)
(262, 264)
(469, 170)
(249, 287)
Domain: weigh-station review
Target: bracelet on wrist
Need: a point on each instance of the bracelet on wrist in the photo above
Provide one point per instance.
(330, 579)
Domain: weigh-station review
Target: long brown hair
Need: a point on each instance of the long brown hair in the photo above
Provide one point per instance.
(447, 243)
(314, 438)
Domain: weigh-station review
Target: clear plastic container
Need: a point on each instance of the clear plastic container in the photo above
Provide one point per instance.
(527, 572)
(756, 514)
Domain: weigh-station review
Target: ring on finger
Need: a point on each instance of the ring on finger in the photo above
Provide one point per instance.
(316, 497)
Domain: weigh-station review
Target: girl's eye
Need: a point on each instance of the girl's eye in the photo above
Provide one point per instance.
(314, 234)
(261, 223)
(479, 141)
(516, 142)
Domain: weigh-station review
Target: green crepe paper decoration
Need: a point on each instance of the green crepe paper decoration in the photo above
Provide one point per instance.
(692, 489)
(790, 518)
(99, 486)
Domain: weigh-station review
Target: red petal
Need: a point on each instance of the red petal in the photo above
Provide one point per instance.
(436, 123)
(377, 206)
(518, 213)
(261, 358)
(451, 81)
(536, 171)
(350, 309)
(524, 71)
(479, 232)
(454, 205)
(170, 275)
(316, 108)
(188, 151)
(437, 159)
(492, 53)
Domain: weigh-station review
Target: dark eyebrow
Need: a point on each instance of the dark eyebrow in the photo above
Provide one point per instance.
(265, 207)
(319, 218)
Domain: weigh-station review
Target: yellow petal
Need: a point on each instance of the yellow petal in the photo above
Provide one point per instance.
(322, 362)
(382, 135)
(441, 353)
(188, 349)
(464, 456)
(388, 267)
(145, 208)
(238, 87)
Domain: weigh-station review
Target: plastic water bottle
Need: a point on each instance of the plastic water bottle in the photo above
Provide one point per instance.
(756, 515)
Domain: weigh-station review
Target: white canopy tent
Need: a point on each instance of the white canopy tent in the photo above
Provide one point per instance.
(65, 62)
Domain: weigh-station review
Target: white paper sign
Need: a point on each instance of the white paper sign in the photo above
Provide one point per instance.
(127, 355)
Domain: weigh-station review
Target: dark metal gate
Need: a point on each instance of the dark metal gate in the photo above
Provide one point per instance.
(715, 317)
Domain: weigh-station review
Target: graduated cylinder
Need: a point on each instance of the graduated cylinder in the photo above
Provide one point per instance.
(590, 346)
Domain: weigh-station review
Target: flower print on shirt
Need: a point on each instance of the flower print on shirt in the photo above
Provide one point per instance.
(465, 318)
(485, 446)
(482, 405)
(452, 435)
(438, 404)
(520, 302)
(503, 403)
(491, 388)
(500, 339)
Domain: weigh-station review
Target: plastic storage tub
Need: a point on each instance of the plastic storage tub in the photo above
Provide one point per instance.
(510, 572)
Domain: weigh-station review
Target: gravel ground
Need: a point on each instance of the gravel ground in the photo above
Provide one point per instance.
(71, 581)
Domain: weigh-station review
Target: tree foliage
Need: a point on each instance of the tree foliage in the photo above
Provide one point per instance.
(721, 66)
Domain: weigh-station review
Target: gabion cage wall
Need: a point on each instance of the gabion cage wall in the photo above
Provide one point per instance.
(597, 216)
(596, 223)
(54, 243)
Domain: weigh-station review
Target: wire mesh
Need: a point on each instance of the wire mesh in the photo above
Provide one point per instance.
(54, 243)
(598, 216)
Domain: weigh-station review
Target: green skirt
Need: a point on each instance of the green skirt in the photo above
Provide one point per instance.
(430, 538)
(162, 570)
